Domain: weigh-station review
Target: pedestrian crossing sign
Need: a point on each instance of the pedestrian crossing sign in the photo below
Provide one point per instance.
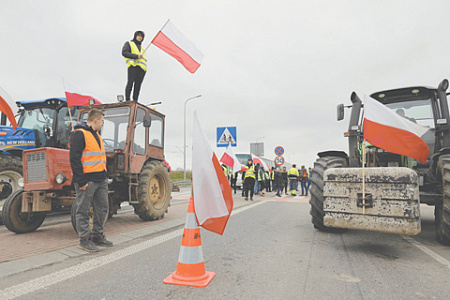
(226, 136)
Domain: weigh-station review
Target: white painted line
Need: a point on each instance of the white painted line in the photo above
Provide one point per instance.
(56, 277)
(428, 251)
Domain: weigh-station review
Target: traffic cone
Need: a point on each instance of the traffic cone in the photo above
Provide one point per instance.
(191, 266)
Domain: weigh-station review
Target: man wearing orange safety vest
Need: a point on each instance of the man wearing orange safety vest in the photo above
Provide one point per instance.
(88, 163)
(136, 60)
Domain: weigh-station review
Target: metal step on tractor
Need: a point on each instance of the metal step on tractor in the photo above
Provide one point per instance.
(394, 185)
(133, 136)
(41, 123)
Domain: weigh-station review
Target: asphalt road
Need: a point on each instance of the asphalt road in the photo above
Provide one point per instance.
(268, 251)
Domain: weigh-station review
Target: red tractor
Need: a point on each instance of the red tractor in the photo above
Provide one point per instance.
(133, 137)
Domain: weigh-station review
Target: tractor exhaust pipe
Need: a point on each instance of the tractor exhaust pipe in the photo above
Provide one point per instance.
(353, 130)
(441, 93)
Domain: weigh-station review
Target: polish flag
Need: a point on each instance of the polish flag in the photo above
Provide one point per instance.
(173, 42)
(257, 160)
(7, 105)
(213, 200)
(229, 159)
(388, 130)
(77, 97)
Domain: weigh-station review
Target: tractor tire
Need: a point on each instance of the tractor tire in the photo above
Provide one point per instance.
(73, 218)
(316, 201)
(154, 190)
(15, 220)
(442, 209)
(10, 173)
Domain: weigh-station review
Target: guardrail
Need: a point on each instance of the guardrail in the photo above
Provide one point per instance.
(182, 183)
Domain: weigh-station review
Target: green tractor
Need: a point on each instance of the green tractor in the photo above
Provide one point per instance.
(385, 195)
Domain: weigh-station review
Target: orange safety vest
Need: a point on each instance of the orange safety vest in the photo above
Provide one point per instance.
(93, 157)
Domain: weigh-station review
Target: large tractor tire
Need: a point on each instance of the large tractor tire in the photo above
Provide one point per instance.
(73, 218)
(10, 173)
(316, 201)
(15, 220)
(442, 209)
(154, 190)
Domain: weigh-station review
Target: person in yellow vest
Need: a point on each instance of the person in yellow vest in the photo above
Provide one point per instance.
(88, 163)
(225, 170)
(293, 179)
(249, 179)
(134, 54)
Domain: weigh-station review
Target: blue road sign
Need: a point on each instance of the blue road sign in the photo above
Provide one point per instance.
(226, 136)
(279, 150)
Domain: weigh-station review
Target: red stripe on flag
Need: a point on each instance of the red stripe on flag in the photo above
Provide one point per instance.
(165, 44)
(74, 99)
(227, 160)
(396, 140)
(217, 225)
(6, 109)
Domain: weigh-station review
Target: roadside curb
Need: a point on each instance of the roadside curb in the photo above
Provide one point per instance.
(27, 263)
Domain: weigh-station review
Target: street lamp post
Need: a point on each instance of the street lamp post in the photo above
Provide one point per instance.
(185, 102)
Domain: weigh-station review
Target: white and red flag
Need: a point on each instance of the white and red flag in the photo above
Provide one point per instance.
(173, 42)
(229, 159)
(213, 200)
(76, 96)
(8, 107)
(257, 160)
(387, 130)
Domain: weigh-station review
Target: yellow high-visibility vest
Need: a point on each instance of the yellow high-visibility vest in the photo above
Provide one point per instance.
(142, 62)
(293, 173)
(250, 172)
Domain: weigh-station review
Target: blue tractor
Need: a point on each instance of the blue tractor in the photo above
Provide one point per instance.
(41, 123)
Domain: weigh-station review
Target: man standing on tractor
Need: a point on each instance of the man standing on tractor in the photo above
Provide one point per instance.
(88, 163)
(134, 54)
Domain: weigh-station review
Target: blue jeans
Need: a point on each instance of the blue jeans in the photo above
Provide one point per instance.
(257, 186)
(279, 190)
(304, 188)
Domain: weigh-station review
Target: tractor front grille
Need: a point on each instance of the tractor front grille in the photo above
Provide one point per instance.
(36, 166)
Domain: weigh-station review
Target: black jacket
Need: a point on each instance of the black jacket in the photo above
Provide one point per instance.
(77, 145)
(278, 179)
(126, 49)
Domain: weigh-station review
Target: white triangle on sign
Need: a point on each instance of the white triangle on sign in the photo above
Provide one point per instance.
(226, 138)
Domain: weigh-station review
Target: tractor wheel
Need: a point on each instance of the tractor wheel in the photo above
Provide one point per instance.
(442, 209)
(73, 218)
(316, 200)
(154, 189)
(10, 173)
(15, 220)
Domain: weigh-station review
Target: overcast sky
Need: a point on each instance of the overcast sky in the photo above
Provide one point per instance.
(274, 69)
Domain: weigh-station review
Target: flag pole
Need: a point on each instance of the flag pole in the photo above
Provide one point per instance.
(363, 177)
(156, 35)
(68, 108)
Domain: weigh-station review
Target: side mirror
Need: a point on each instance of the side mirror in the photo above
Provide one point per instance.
(48, 132)
(340, 112)
(147, 121)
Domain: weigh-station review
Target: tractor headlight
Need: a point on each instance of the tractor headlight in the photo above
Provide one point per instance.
(20, 182)
(60, 178)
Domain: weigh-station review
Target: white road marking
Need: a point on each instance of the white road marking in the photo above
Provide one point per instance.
(428, 251)
(56, 277)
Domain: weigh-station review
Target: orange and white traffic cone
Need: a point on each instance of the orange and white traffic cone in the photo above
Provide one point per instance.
(191, 266)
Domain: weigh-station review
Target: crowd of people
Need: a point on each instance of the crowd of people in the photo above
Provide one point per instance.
(257, 181)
